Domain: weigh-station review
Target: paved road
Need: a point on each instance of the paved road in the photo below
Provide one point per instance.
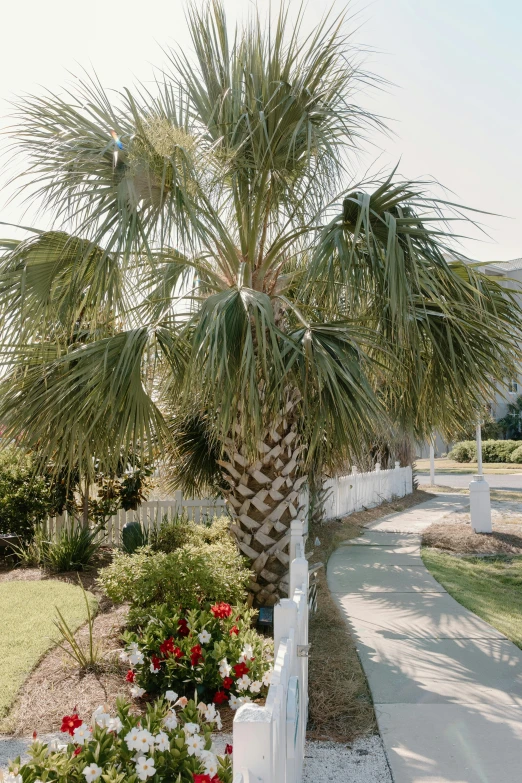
(495, 481)
(447, 687)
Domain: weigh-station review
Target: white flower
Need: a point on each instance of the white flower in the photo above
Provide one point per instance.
(256, 686)
(132, 648)
(202, 707)
(153, 669)
(247, 653)
(124, 658)
(92, 772)
(210, 713)
(136, 658)
(243, 700)
(195, 744)
(204, 637)
(144, 741)
(131, 739)
(170, 721)
(243, 682)
(210, 762)
(145, 768)
(267, 677)
(136, 691)
(224, 668)
(101, 718)
(54, 746)
(10, 777)
(115, 725)
(171, 695)
(162, 741)
(181, 702)
(81, 734)
(191, 728)
(218, 722)
(233, 702)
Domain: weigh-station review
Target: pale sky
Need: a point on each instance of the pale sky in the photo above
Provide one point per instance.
(454, 104)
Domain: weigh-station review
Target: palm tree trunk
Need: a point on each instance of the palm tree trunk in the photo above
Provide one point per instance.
(264, 499)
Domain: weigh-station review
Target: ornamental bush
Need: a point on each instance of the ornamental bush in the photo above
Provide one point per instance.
(465, 451)
(516, 456)
(163, 744)
(192, 575)
(492, 450)
(214, 652)
(25, 499)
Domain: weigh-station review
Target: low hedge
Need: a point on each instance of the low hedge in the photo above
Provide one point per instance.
(492, 451)
(199, 572)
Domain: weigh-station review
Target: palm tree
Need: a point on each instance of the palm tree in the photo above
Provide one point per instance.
(211, 277)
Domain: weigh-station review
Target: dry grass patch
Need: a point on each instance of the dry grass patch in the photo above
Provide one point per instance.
(461, 539)
(340, 707)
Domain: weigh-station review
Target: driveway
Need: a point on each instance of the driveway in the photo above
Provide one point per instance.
(495, 481)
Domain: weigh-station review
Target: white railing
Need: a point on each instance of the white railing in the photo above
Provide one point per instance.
(365, 490)
(152, 513)
(269, 741)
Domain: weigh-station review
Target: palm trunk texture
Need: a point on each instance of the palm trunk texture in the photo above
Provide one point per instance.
(264, 499)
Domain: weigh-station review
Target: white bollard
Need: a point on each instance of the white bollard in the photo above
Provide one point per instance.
(480, 505)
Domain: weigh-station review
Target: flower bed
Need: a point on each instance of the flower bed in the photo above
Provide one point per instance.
(162, 744)
(214, 651)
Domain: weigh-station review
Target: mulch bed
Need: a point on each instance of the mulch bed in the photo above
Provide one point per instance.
(460, 539)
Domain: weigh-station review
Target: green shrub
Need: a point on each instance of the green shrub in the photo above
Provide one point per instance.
(516, 456)
(206, 570)
(214, 652)
(465, 451)
(492, 450)
(498, 450)
(171, 534)
(25, 499)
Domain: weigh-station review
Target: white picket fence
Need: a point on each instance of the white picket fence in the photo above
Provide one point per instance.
(365, 490)
(151, 514)
(269, 741)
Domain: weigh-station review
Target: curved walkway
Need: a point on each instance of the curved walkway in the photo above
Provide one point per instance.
(447, 687)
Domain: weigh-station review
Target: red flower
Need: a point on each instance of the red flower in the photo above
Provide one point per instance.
(167, 647)
(228, 682)
(195, 655)
(130, 676)
(77, 751)
(240, 669)
(228, 750)
(234, 630)
(206, 779)
(183, 628)
(35, 734)
(221, 610)
(178, 653)
(156, 662)
(70, 723)
(220, 697)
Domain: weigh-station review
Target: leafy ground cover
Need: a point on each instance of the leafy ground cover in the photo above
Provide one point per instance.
(490, 587)
(27, 610)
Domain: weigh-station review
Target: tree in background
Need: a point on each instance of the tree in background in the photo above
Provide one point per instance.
(238, 293)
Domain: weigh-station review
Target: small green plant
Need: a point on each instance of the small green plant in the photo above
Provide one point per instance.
(86, 656)
(171, 534)
(30, 554)
(74, 548)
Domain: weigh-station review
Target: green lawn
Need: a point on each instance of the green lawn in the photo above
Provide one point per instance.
(490, 588)
(27, 610)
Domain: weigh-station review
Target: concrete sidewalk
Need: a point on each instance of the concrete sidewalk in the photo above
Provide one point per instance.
(447, 687)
